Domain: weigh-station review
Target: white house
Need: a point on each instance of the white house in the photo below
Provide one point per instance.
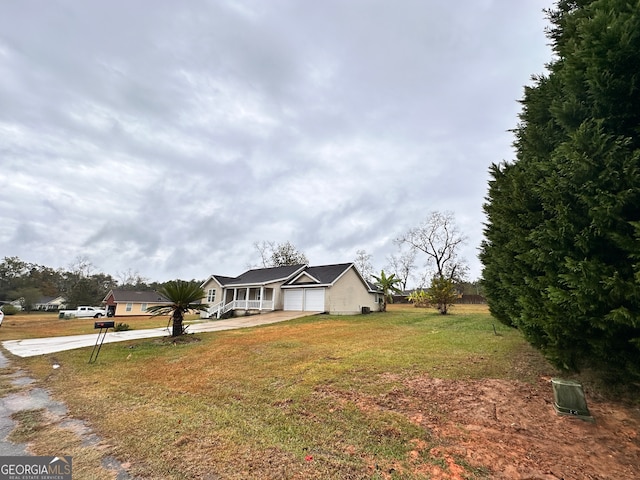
(337, 289)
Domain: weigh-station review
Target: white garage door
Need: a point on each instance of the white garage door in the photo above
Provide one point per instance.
(314, 300)
(293, 299)
(308, 299)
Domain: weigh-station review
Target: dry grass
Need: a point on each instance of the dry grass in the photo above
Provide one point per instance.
(47, 438)
(39, 325)
(29, 422)
(303, 399)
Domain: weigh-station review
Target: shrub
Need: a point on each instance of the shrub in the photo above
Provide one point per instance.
(121, 327)
(9, 309)
(419, 298)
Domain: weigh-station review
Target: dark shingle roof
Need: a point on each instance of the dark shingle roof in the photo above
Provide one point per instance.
(44, 300)
(264, 275)
(131, 296)
(324, 274)
(327, 274)
(222, 280)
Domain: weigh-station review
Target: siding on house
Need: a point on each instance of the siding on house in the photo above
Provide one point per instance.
(337, 289)
(348, 295)
(126, 303)
(132, 309)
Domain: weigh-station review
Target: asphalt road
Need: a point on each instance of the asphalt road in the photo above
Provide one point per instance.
(40, 346)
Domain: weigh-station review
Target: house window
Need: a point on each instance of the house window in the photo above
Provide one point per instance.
(129, 307)
(143, 307)
(211, 295)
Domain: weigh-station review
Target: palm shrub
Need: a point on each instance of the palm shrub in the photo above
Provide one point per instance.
(388, 287)
(419, 298)
(184, 297)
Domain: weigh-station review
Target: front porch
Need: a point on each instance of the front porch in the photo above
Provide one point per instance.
(246, 299)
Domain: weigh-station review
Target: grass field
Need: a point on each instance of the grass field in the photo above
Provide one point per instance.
(39, 325)
(302, 399)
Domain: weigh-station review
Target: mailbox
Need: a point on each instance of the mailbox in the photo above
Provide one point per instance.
(104, 327)
(104, 324)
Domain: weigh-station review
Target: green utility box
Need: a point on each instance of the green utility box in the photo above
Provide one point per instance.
(568, 397)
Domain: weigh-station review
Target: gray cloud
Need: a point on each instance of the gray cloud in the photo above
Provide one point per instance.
(167, 137)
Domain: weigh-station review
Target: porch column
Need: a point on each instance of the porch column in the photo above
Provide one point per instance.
(261, 296)
(246, 299)
(221, 303)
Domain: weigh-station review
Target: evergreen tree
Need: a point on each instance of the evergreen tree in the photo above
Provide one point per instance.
(562, 250)
(442, 294)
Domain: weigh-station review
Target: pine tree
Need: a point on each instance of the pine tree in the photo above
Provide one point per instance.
(562, 248)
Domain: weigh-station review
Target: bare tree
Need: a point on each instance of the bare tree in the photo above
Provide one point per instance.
(439, 237)
(81, 267)
(363, 264)
(131, 280)
(402, 265)
(265, 249)
(279, 255)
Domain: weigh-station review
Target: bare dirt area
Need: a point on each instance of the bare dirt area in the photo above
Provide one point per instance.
(509, 430)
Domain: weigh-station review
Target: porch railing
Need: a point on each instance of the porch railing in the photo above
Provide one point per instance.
(222, 308)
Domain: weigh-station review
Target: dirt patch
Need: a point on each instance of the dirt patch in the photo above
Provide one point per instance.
(509, 430)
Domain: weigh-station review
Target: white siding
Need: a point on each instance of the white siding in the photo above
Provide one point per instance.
(349, 294)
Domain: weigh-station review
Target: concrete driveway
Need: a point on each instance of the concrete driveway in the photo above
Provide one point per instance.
(39, 346)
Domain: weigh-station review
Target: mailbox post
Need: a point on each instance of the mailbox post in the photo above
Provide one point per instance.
(104, 327)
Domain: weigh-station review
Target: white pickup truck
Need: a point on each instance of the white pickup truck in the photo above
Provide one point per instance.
(83, 312)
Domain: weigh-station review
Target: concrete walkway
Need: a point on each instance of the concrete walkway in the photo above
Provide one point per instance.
(40, 346)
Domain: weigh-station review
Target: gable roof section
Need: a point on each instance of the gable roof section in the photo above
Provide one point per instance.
(220, 280)
(45, 300)
(293, 276)
(304, 278)
(262, 276)
(323, 274)
(132, 296)
(49, 302)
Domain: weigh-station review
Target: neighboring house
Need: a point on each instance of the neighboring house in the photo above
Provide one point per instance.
(337, 289)
(50, 304)
(122, 303)
(17, 304)
(403, 297)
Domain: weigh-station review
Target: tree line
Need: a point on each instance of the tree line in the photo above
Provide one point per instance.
(79, 284)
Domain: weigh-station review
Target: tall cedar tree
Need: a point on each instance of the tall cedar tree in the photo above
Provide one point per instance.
(562, 240)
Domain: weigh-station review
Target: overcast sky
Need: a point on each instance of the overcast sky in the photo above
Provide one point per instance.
(166, 137)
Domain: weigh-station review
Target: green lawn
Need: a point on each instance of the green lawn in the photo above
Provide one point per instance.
(301, 399)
